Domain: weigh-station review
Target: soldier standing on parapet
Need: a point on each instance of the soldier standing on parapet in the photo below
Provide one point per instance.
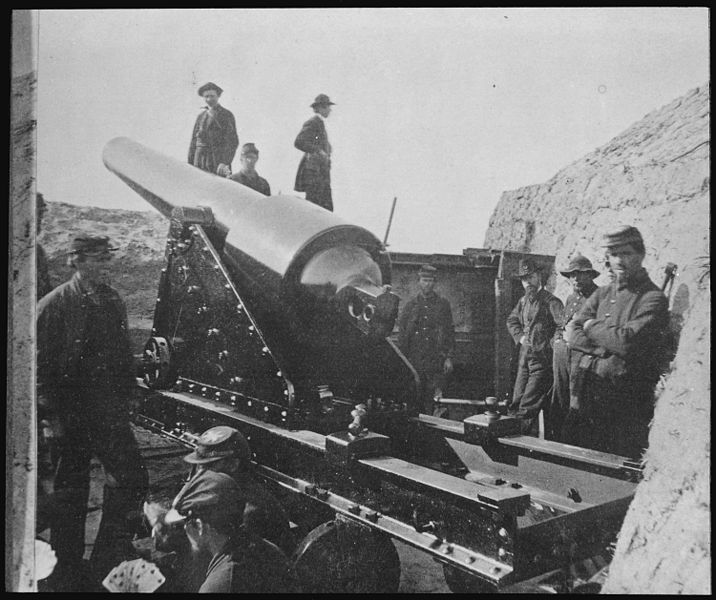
(85, 378)
(427, 338)
(532, 324)
(214, 139)
(581, 275)
(621, 331)
(314, 170)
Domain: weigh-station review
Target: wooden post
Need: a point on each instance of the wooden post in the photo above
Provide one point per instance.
(21, 425)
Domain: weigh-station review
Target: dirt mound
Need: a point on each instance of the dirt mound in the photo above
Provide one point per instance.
(140, 237)
(656, 176)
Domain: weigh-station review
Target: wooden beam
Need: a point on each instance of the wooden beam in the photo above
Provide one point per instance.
(21, 425)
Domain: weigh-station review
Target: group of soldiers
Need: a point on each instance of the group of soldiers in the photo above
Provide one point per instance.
(590, 364)
(233, 536)
(214, 141)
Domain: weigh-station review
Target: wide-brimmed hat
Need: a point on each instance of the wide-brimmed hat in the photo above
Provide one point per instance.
(218, 443)
(428, 271)
(322, 100)
(208, 495)
(209, 86)
(580, 263)
(621, 236)
(249, 148)
(526, 268)
(91, 245)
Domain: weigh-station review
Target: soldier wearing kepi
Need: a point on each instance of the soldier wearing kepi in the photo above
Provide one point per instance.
(532, 324)
(222, 449)
(214, 139)
(85, 378)
(248, 175)
(314, 170)
(581, 275)
(427, 338)
(620, 329)
(210, 508)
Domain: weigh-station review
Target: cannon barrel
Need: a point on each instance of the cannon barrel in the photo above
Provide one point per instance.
(313, 282)
(278, 235)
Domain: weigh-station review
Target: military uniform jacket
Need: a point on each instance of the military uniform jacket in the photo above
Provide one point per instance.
(626, 339)
(314, 170)
(249, 564)
(214, 139)
(427, 333)
(572, 306)
(255, 182)
(537, 319)
(61, 332)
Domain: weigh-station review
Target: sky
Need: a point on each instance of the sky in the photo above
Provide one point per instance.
(443, 109)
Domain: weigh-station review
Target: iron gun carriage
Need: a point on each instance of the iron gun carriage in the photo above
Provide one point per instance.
(275, 316)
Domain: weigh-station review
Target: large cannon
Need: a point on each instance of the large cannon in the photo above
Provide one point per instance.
(274, 316)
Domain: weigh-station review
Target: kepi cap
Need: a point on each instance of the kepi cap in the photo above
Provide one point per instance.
(526, 268)
(580, 263)
(624, 235)
(209, 86)
(322, 100)
(249, 148)
(91, 245)
(428, 271)
(208, 494)
(218, 443)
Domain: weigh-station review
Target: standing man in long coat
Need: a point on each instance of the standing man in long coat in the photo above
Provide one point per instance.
(214, 139)
(85, 378)
(427, 338)
(581, 275)
(532, 324)
(314, 170)
(621, 331)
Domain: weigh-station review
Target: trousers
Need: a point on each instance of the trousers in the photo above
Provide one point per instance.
(92, 432)
(558, 407)
(532, 386)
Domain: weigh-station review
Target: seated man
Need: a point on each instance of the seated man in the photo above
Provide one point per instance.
(210, 508)
(222, 449)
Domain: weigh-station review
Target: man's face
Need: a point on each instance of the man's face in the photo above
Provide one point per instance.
(324, 110)
(96, 268)
(248, 161)
(211, 98)
(624, 261)
(530, 283)
(580, 280)
(427, 284)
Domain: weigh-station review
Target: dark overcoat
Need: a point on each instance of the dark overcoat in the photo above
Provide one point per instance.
(214, 139)
(314, 170)
(623, 351)
(427, 333)
(255, 182)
